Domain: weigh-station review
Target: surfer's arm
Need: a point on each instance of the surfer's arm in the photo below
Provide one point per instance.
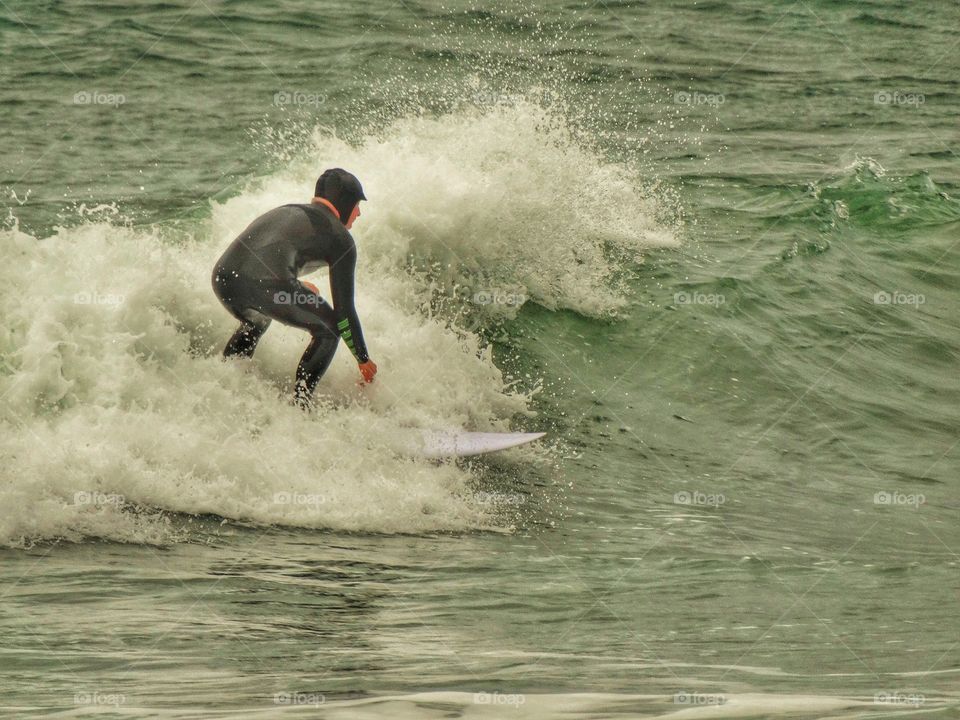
(341, 290)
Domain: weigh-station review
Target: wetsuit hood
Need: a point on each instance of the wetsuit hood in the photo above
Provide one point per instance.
(342, 189)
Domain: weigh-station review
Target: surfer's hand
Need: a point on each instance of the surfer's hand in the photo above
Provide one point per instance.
(368, 370)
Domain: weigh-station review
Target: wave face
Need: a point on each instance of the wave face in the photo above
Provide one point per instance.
(121, 411)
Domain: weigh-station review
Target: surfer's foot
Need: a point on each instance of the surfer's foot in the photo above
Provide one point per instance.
(305, 404)
(302, 399)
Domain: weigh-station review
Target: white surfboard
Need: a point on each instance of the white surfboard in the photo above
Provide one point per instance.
(460, 443)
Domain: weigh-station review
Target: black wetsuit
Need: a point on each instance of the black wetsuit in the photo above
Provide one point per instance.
(256, 280)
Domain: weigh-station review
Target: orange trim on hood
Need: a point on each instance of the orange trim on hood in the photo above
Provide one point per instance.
(324, 201)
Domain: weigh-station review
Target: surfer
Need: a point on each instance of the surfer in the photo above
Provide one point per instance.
(256, 279)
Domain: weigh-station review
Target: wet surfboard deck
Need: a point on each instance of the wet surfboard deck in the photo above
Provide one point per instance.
(460, 443)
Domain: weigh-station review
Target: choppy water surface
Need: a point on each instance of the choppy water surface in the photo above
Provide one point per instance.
(711, 248)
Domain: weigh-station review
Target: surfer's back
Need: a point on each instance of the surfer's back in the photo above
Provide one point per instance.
(284, 242)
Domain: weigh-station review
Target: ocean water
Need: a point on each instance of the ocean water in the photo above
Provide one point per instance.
(710, 247)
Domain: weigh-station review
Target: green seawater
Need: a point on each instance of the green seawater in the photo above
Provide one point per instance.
(716, 247)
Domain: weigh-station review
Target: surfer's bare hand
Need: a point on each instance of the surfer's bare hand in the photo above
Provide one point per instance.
(368, 370)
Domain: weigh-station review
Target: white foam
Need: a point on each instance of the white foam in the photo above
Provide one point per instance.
(112, 385)
(505, 200)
